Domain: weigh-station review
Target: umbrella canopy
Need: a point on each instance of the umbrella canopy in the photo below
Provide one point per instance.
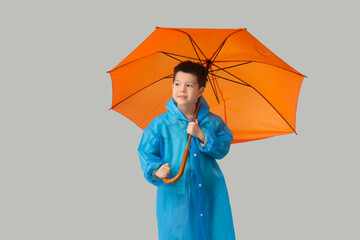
(252, 89)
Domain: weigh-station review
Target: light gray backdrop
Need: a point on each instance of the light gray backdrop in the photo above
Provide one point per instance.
(69, 167)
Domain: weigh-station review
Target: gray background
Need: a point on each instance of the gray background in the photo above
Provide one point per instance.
(69, 167)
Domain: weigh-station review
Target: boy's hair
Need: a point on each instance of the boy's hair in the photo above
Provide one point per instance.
(194, 68)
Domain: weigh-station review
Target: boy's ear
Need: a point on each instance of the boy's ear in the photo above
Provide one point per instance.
(201, 91)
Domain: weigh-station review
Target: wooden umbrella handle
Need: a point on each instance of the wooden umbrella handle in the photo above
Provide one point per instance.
(186, 153)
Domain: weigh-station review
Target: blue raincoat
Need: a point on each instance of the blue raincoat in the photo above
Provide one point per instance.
(197, 206)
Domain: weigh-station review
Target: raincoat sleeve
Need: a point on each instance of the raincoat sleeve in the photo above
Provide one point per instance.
(218, 139)
(149, 154)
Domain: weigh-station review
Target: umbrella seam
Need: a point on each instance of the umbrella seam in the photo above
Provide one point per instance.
(223, 43)
(265, 100)
(191, 40)
(263, 63)
(169, 76)
(149, 56)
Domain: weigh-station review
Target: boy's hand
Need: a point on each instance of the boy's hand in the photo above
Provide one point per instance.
(163, 171)
(194, 129)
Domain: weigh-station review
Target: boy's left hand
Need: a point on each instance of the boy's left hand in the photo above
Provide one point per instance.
(194, 129)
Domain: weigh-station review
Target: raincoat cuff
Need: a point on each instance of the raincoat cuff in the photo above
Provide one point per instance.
(210, 139)
(203, 144)
(154, 176)
(150, 173)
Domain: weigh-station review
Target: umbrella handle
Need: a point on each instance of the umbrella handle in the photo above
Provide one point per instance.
(186, 153)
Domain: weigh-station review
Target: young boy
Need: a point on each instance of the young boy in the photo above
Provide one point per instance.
(197, 205)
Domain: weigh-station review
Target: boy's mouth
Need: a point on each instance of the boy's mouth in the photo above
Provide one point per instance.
(182, 97)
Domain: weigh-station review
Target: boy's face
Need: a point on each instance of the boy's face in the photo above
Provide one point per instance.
(185, 89)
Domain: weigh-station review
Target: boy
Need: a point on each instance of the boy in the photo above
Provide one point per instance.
(197, 205)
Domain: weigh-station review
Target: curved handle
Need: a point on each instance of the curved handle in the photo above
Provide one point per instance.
(186, 152)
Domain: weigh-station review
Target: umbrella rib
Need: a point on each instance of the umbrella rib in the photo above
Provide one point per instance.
(227, 79)
(264, 63)
(170, 55)
(149, 56)
(231, 66)
(230, 74)
(217, 52)
(196, 51)
(222, 96)
(222, 44)
(169, 76)
(214, 89)
(191, 40)
(263, 98)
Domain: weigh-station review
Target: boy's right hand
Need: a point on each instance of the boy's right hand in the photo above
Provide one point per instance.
(163, 171)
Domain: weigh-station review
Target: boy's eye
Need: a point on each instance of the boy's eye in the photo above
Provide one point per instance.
(177, 84)
(189, 85)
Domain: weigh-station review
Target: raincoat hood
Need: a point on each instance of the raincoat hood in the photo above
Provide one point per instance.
(171, 106)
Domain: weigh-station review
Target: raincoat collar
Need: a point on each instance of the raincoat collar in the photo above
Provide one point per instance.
(173, 110)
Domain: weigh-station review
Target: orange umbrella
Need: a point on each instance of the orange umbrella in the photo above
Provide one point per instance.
(252, 89)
